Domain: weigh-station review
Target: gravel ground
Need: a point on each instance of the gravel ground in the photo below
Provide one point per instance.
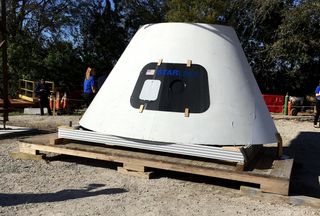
(73, 186)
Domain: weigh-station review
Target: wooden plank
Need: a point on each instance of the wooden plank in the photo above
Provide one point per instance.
(40, 139)
(275, 185)
(66, 127)
(57, 141)
(134, 167)
(189, 63)
(231, 148)
(25, 149)
(96, 152)
(60, 150)
(141, 108)
(145, 175)
(282, 168)
(186, 112)
(240, 166)
(269, 183)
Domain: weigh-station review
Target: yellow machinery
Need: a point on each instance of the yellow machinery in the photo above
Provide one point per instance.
(27, 89)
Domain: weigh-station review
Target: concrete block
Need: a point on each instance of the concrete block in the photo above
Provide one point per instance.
(34, 111)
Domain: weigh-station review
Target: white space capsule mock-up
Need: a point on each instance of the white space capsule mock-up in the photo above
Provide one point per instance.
(182, 83)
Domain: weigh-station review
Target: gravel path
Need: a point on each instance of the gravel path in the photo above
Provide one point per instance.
(73, 186)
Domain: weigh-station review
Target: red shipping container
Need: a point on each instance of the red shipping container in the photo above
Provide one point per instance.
(274, 102)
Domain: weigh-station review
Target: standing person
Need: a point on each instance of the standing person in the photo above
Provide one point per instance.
(43, 93)
(316, 117)
(89, 88)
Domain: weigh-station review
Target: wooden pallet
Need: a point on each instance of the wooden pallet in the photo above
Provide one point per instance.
(273, 175)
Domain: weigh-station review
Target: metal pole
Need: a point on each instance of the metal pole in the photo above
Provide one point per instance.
(285, 106)
(4, 59)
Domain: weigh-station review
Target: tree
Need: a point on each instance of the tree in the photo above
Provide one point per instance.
(136, 13)
(102, 35)
(296, 49)
(207, 11)
(106, 29)
(42, 20)
(60, 39)
(256, 23)
(33, 27)
(63, 65)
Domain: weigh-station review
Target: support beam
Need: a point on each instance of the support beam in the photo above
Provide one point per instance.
(4, 61)
(276, 180)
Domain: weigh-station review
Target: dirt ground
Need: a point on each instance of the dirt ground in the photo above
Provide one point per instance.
(76, 186)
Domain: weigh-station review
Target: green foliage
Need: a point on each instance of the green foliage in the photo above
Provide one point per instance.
(63, 66)
(35, 43)
(280, 38)
(300, 31)
(58, 39)
(103, 38)
(255, 22)
(297, 46)
(206, 11)
(136, 13)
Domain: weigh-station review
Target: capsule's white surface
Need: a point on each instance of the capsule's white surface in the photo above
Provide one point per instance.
(237, 114)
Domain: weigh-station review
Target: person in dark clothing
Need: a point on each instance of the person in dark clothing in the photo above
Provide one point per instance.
(316, 117)
(43, 93)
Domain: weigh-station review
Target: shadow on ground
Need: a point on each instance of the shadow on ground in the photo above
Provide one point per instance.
(305, 177)
(83, 161)
(21, 134)
(157, 173)
(63, 195)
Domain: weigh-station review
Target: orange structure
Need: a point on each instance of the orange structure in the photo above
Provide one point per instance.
(64, 101)
(289, 108)
(57, 101)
